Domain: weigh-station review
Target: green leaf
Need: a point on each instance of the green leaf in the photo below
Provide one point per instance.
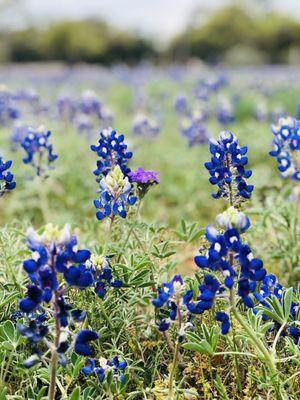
(287, 302)
(75, 394)
(41, 393)
(3, 392)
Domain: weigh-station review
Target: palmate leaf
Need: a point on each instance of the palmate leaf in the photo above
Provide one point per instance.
(190, 233)
(277, 310)
(206, 345)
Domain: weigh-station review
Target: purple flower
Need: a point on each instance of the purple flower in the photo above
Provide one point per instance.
(141, 176)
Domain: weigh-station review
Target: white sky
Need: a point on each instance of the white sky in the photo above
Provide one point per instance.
(159, 18)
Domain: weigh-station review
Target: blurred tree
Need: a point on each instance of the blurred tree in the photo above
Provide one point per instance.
(232, 27)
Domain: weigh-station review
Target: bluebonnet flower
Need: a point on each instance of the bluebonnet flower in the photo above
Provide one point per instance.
(286, 144)
(36, 329)
(112, 151)
(104, 278)
(82, 342)
(194, 130)
(145, 127)
(115, 195)
(234, 259)
(39, 150)
(170, 304)
(89, 103)
(269, 287)
(55, 255)
(66, 107)
(224, 319)
(227, 168)
(232, 218)
(208, 291)
(144, 179)
(20, 131)
(181, 105)
(225, 112)
(8, 108)
(7, 182)
(167, 297)
(114, 368)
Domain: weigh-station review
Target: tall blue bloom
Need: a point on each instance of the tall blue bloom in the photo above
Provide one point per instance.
(55, 265)
(112, 151)
(39, 151)
(227, 168)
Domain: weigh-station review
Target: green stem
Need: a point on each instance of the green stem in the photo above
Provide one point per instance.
(44, 203)
(173, 370)
(238, 353)
(176, 352)
(130, 232)
(53, 372)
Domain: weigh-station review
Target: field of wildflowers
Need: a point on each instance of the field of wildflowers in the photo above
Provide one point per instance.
(150, 233)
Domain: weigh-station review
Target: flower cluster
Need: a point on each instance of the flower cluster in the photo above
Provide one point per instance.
(7, 182)
(194, 130)
(103, 274)
(269, 288)
(19, 133)
(145, 127)
(181, 105)
(227, 168)
(115, 178)
(39, 150)
(116, 194)
(55, 255)
(107, 369)
(224, 112)
(286, 144)
(112, 151)
(8, 109)
(208, 291)
(228, 254)
(87, 112)
(171, 303)
(143, 179)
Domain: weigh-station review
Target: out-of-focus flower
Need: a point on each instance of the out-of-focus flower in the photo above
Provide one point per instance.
(39, 150)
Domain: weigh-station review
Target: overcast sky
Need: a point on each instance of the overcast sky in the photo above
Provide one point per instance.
(159, 18)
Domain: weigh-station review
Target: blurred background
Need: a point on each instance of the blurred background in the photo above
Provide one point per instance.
(240, 32)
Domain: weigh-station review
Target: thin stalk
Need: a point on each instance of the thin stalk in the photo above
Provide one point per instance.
(43, 199)
(54, 356)
(108, 233)
(176, 352)
(129, 233)
(238, 353)
(277, 338)
(173, 370)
